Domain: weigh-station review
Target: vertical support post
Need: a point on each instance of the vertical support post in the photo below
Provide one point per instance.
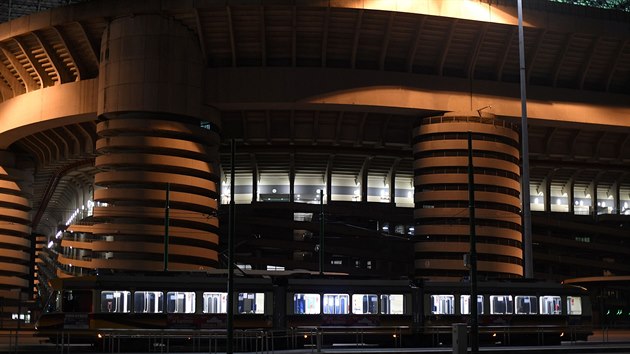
(548, 193)
(570, 196)
(230, 285)
(617, 197)
(292, 179)
(474, 325)
(527, 223)
(321, 231)
(166, 224)
(19, 321)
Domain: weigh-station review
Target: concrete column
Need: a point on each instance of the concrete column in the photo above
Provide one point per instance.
(15, 232)
(153, 131)
(442, 196)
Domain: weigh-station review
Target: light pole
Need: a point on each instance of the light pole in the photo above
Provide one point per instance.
(230, 284)
(321, 231)
(527, 223)
(166, 225)
(474, 325)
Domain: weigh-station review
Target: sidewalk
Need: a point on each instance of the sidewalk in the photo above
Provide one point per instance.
(611, 335)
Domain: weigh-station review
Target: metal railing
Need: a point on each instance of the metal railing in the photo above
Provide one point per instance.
(307, 338)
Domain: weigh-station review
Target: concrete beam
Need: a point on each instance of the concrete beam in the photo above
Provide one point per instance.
(402, 93)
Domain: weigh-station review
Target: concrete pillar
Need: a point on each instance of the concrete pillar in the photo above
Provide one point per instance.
(15, 232)
(150, 135)
(441, 198)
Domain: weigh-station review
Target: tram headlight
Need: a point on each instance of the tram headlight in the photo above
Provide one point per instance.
(305, 336)
(562, 334)
(99, 336)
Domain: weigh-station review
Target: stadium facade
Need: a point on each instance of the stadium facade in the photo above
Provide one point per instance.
(108, 107)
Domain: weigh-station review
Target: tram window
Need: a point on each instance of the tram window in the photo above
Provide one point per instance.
(116, 301)
(550, 305)
(336, 304)
(251, 303)
(392, 304)
(180, 302)
(574, 305)
(214, 302)
(501, 304)
(148, 302)
(526, 305)
(443, 304)
(76, 301)
(464, 302)
(306, 304)
(364, 304)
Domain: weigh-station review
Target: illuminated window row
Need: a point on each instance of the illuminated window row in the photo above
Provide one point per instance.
(340, 304)
(507, 305)
(177, 302)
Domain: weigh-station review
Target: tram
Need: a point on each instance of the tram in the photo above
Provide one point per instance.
(412, 312)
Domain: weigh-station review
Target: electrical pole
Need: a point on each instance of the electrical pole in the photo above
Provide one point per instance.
(527, 222)
(230, 284)
(474, 325)
(166, 224)
(321, 231)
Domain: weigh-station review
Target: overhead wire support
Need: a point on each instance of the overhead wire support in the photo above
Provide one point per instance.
(166, 225)
(527, 223)
(321, 231)
(474, 324)
(230, 285)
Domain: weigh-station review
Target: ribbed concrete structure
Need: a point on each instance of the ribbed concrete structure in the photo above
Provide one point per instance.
(150, 64)
(139, 157)
(15, 231)
(109, 100)
(441, 198)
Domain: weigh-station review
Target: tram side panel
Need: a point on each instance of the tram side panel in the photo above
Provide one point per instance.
(510, 313)
(376, 314)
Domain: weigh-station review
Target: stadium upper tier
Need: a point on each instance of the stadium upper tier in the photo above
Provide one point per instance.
(104, 102)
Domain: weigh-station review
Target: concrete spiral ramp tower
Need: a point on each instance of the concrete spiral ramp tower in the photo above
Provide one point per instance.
(441, 196)
(14, 226)
(151, 140)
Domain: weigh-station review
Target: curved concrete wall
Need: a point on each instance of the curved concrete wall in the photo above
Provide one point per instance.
(150, 136)
(15, 261)
(441, 198)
